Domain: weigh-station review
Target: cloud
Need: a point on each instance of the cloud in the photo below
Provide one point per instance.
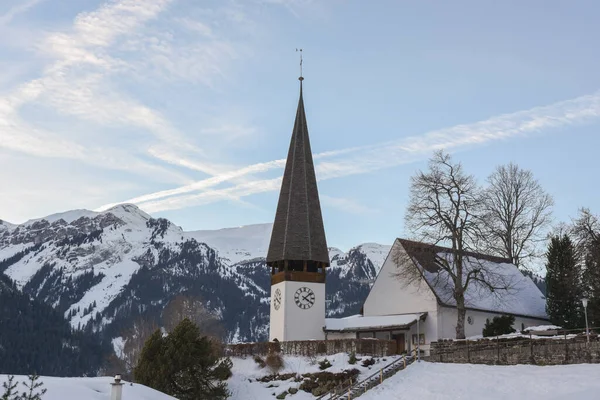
(346, 204)
(18, 9)
(359, 160)
(211, 196)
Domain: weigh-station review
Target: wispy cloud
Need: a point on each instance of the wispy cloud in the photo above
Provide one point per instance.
(20, 8)
(347, 162)
(80, 82)
(347, 205)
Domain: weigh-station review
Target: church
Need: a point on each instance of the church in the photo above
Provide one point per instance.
(412, 314)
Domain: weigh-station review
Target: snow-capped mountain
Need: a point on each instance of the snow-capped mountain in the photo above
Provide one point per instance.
(102, 270)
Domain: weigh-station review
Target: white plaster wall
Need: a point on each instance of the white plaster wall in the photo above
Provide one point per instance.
(391, 296)
(291, 322)
(277, 318)
(447, 322)
(341, 335)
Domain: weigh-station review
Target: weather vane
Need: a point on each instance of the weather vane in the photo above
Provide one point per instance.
(301, 78)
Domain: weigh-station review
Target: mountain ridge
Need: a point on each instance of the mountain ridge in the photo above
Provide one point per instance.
(103, 269)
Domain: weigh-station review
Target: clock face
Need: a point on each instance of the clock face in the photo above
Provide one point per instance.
(277, 299)
(304, 297)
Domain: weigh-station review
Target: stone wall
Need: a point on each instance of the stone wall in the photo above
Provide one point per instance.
(521, 350)
(310, 348)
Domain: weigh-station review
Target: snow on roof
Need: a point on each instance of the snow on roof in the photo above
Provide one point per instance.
(90, 389)
(359, 322)
(522, 296)
(542, 328)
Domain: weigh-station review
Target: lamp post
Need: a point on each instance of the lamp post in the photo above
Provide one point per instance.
(584, 301)
(418, 339)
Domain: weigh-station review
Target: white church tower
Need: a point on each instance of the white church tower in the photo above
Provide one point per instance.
(298, 255)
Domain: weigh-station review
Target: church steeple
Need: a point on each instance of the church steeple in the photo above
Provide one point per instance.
(298, 240)
(298, 254)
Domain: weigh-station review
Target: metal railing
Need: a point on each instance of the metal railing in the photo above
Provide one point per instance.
(356, 389)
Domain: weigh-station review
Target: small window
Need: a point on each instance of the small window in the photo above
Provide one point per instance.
(421, 339)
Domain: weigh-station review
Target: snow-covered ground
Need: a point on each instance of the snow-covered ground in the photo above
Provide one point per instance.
(243, 384)
(89, 389)
(424, 381)
(435, 381)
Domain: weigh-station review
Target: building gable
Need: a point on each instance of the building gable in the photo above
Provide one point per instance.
(391, 295)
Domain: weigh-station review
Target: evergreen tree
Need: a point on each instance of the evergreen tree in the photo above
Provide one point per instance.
(10, 389)
(501, 325)
(184, 364)
(32, 386)
(150, 369)
(591, 279)
(563, 284)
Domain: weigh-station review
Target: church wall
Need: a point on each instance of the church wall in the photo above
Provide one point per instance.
(448, 316)
(391, 296)
(300, 324)
(341, 335)
(277, 318)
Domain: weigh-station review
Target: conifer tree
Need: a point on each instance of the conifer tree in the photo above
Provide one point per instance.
(152, 360)
(563, 284)
(10, 389)
(184, 364)
(591, 279)
(32, 386)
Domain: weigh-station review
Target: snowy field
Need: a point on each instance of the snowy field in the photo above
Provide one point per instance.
(435, 381)
(423, 381)
(243, 385)
(89, 389)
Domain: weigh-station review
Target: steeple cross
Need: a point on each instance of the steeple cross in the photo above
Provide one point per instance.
(301, 78)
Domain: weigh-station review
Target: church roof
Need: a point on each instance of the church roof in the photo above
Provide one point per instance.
(356, 323)
(298, 232)
(522, 297)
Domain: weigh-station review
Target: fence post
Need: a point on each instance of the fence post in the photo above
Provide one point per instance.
(381, 372)
(468, 352)
(531, 347)
(498, 348)
(566, 349)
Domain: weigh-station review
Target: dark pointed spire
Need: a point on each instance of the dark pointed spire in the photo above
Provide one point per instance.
(298, 232)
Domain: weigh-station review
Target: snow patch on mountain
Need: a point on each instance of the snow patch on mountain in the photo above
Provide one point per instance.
(237, 244)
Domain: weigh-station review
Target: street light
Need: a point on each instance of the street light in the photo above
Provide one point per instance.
(584, 301)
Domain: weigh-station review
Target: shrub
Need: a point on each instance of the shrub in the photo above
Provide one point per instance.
(320, 383)
(499, 326)
(323, 365)
(367, 362)
(352, 359)
(281, 395)
(277, 377)
(258, 360)
(274, 361)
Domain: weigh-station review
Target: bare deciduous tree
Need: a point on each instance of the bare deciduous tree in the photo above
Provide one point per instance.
(445, 208)
(194, 309)
(585, 230)
(517, 213)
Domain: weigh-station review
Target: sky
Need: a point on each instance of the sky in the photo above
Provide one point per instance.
(186, 107)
